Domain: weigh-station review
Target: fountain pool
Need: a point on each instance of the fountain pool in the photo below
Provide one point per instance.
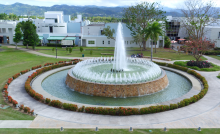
(55, 85)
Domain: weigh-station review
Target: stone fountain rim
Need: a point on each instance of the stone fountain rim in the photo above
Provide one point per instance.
(36, 85)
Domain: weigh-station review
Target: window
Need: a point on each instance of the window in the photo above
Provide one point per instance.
(38, 27)
(38, 30)
(130, 42)
(55, 20)
(80, 38)
(51, 29)
(103, 42)
(109, 42)
(127, 42)
(61, 26)
(91, 42)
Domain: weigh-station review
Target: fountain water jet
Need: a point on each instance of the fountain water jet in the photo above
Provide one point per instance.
(120, 61)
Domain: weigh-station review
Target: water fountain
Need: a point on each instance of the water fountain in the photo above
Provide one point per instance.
(117, 77)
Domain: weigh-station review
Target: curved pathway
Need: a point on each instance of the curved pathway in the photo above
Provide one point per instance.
(204, 113)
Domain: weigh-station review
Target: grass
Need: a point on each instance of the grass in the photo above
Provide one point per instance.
(12, 62)
(184, 64)
(109, 131)
(161, 52)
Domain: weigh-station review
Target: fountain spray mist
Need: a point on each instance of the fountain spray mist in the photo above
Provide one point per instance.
(120, 60)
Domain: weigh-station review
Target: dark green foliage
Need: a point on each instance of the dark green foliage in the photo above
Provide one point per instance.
(81, 49)
(18, 35)
(108, 32)
(167, 42)
(29, 34)
(70, 50)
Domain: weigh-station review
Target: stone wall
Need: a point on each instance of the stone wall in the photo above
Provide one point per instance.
(122, 90)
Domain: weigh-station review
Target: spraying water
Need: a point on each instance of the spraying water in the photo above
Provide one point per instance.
(120, 61)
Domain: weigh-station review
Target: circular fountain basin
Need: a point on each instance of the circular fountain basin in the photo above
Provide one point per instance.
(52, 85)
(117, 90)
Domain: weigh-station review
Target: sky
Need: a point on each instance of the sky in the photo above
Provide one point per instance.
(108, 3)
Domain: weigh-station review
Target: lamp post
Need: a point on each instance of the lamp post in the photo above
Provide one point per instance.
(56, 49)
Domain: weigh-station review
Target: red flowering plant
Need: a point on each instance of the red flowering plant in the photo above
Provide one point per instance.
(27, 110)
(10, 99)
(16, 76)
(21, 107)
(198, 47)
(14, 102)
(9, 80)
(24, 71)
(5, 87)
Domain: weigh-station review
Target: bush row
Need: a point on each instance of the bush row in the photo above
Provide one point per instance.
(48, 64)
(119, 111)
(36, 67)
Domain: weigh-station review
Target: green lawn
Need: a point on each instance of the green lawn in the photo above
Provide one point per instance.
(11, 62)
(161, 52)
(109, 131)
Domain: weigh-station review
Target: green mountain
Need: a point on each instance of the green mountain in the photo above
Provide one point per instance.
(24, 9)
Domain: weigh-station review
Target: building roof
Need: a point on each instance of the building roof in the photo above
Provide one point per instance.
(56, 38)
(61, 38)
(70, 38)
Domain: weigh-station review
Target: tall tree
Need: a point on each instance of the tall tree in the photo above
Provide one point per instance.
(29, 34)
(153, 31)
(197, 15)
(18, 34)
(138, 17)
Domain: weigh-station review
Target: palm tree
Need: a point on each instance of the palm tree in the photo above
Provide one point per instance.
(153, 31)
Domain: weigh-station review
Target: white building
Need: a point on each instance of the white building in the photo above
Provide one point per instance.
(7, 29)
(92, 36)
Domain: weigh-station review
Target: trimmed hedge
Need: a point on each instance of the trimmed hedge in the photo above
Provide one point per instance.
(116, 111)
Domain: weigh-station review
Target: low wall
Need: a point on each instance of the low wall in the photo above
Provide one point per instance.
(120, 90)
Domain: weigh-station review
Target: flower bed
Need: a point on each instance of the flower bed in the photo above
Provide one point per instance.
(48, 64)
(36, 67)
(16, 76)
(184, 64)
(24, 71)
(117, 111)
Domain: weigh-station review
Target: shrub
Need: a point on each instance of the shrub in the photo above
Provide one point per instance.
(27, 110)
(14, 102)
(32, 112)
(24, 71)
(200, 64)
(5, 87)
(173, 106)
(81, 49)
(47, 100)
(38, 96)
(9, 80)
(16, 76)
(10, 99)
(91, 52)
(21, 107)
(71, 107)
(56, 103)
(36, 67)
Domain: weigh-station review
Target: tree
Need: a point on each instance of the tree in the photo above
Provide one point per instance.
(167, 42)
(138, 40)
(198, 47)
(138, 17)
(18, 35)
(70, 50)
(109, 32)
(197, 15)
(29, 34)
(153, 31)
(81, 49)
